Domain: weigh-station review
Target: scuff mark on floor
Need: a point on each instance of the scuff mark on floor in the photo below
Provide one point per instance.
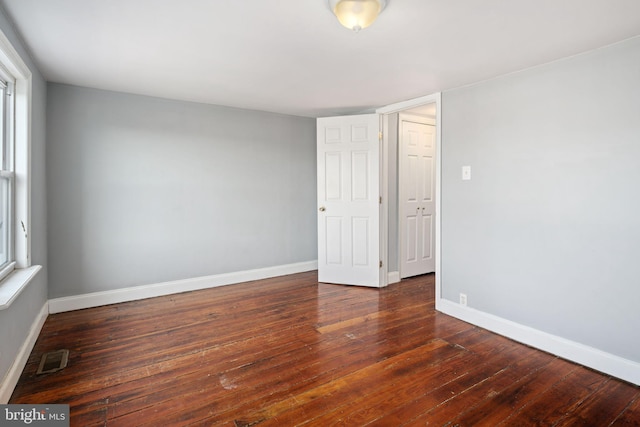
(226, 383)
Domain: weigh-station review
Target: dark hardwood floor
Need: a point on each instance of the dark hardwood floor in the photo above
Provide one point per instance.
(289, 351)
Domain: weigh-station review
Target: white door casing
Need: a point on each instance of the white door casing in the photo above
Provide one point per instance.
(348, 200)
(417, 208)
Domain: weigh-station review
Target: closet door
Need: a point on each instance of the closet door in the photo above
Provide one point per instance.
(417, 197)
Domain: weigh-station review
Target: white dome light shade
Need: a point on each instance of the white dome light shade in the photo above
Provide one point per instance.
(357, 14)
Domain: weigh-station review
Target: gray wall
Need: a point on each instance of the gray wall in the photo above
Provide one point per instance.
(547, 232)
(145, 190)
(16, 321)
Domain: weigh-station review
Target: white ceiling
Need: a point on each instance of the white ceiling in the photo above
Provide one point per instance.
(292, 56)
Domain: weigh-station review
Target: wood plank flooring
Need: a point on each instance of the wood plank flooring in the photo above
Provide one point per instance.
(289, 351)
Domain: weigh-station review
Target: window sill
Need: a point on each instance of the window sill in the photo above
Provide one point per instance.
(13, 285)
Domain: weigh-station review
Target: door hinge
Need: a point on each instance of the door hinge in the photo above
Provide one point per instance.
(380, 263)
(380, 136)
(380, 201)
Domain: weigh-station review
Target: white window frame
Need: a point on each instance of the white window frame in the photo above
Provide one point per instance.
(14, 283)
(7, 84)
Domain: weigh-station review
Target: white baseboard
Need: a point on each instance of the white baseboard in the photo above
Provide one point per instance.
(11, 379)
(599, 360)
(95, 299)
(393, 277)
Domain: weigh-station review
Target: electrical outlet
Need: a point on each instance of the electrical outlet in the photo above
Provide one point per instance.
(463, 300)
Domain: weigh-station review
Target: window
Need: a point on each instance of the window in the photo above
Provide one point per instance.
(7, 174)
(15, 140)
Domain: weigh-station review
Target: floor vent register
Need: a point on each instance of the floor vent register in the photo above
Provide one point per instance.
(53, 361)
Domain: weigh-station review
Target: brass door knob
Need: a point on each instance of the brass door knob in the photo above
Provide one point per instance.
(322, 209)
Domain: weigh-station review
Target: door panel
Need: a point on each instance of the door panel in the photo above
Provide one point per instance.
(360, 176)
(427, 172)
(360, 239)
(333, 183)
(348, 192)
(333, 239)
(411, 254)
(412, 178)
(427, 246)
(417, 204)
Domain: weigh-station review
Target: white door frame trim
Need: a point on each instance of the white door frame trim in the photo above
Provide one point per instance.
(384, 173)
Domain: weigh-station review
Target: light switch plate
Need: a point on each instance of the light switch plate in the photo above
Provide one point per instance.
(466, 173)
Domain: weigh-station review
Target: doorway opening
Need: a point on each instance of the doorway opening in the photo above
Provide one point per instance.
(416, 209)
(405, 238)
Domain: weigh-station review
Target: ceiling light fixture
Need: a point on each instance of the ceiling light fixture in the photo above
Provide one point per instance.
(357, 14)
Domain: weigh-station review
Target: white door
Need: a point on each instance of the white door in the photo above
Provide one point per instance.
(348, 200)
(417, 198)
